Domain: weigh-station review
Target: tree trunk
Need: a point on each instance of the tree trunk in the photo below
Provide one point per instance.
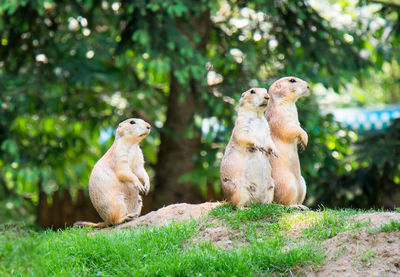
(177, 150)
(175, 156)
(43, 213)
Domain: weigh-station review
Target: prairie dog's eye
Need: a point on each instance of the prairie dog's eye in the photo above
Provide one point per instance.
(132, 122)
(292, 80)
(252, 91)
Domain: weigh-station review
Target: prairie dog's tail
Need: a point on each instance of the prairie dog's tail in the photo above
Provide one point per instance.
(87, 223)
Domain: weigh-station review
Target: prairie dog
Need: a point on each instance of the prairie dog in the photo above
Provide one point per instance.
(290, 186)
(119, 176)
(245, 171)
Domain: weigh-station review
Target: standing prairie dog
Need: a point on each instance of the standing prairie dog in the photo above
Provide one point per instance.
(119, 176)
(290, 186)
(245, 170)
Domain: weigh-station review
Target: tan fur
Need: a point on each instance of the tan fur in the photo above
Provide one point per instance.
(245, 170)
(290, 187)
(119, 176)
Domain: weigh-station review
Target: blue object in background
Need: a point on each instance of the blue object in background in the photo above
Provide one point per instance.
(366, 119)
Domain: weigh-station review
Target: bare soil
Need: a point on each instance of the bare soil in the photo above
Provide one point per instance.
(219, 234)
(172, 213)
(363, 252)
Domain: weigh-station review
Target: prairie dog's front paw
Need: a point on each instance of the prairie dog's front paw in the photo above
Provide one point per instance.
(273, 151)
(270, 150)
(262, 149)
(138, 185)
(146, 188)
(141, 188)
(252, 147)
(303, 140)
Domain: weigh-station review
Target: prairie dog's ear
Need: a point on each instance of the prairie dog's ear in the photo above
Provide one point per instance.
(274, 88)
(277, 86)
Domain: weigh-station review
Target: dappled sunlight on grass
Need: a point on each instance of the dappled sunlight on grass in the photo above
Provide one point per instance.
(298, 220)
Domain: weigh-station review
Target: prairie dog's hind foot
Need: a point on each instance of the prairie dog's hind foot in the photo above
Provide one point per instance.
(131, 217)
(299, 207)
(127, 218)
(82, 224)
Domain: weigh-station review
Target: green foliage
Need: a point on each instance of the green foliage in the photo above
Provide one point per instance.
(326, 156)
(16, 210)
(375, 180)
(56, 97)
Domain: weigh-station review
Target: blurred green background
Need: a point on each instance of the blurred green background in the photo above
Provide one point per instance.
(70, 71)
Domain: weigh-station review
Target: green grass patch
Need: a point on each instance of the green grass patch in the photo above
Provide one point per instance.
(393, 226)
(366, 257)
(327, 223)
(236, 217)
(145, 252)
(270, 248)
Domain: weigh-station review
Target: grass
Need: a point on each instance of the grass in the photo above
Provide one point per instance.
(393, 226)
(367, 256)
(271, 246)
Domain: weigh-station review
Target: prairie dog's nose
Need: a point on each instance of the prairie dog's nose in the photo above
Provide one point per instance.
(266, 97)
(148, 126)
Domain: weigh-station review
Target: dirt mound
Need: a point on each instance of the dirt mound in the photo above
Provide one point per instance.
(378, 219)
(171, 213)
(363, 252)
(219, 234)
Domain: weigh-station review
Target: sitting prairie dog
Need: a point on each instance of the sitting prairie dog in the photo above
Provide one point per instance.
(119, 176)
(245, 171)
(290, 186)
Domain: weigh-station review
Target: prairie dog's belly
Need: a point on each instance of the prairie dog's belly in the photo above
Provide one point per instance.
(103, 182)
(251, 167)
(244, 166)
(257, 165)
(258, 173)
(233, 162)
(259, 130)
(288, 160)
